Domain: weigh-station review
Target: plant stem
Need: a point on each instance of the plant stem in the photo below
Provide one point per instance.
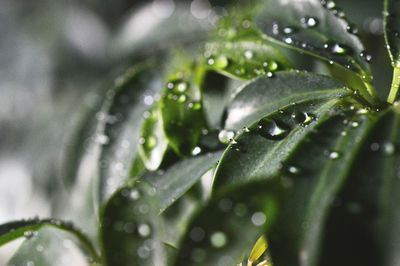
(395, 85)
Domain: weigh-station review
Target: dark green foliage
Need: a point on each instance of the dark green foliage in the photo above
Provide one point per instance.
(218, 144)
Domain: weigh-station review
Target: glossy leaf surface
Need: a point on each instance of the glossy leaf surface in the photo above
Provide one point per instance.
(316, 27)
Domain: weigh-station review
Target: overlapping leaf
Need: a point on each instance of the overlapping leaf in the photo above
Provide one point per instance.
(318, 28)
(131, 218)
(32, 228)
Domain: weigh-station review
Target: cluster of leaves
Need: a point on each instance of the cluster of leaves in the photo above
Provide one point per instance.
(195, 158)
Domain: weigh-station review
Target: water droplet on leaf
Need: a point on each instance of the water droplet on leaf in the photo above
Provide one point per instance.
(225, 135)
(272, 129)
(309, 22)
(218, 239)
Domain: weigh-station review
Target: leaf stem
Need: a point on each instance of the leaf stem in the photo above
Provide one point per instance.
(395, 85)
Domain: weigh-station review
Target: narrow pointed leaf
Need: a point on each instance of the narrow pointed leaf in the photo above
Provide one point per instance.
(180, 177)
(259, 248)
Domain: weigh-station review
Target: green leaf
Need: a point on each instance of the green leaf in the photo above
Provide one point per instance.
(180, 177)
(244, 59)
(365, 216)
(318, 28)
(121, 226)
(265, 95)
(257, 154)
(131, 231)
(314, 174)
(181, 105)
(152, 142)
(259, 248)
(228, 227)
(123, 112)
(29, 228)
(392, 37)
(236, 48)
(391, 29)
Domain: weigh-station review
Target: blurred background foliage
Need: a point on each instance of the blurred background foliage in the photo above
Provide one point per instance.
(55, 54)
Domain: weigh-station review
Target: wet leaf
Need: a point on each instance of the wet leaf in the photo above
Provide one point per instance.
(152, 142)
(265, 95)
(30, 229)
(318, 28)
(181, 105)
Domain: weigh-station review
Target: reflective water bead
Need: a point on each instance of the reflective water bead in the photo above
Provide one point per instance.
(309, 22)
(225, 136)
(272, 129)
(218, 239)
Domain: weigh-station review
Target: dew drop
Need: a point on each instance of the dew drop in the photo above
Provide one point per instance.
(367, 57)
(218, 239)
(303, 117)
(272, 129)
(210, 61)
(351, 29)
(221, 62)
(102, 139)
(330, 5)
(258, 218)
(196, 151)
(134, 194)
(197, 234)
(246, 24)
(335, 48)
(246, 129)
(275, 29)
(375, 146)
(182, 99)
(182, 86)
(270, 74)
(288, 40)
(273, 65)
(334, 155)
(148, 100)
(288, 30)
(143, 252)
(170, 85)
(248, 54)
(28, 234)
(225, 135)
(150, 142)
(144, 230)
(309, 22)
(294, 170)
(388, 148)
(194, 106)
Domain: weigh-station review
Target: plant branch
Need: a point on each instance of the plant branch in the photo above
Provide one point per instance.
(395, 85)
